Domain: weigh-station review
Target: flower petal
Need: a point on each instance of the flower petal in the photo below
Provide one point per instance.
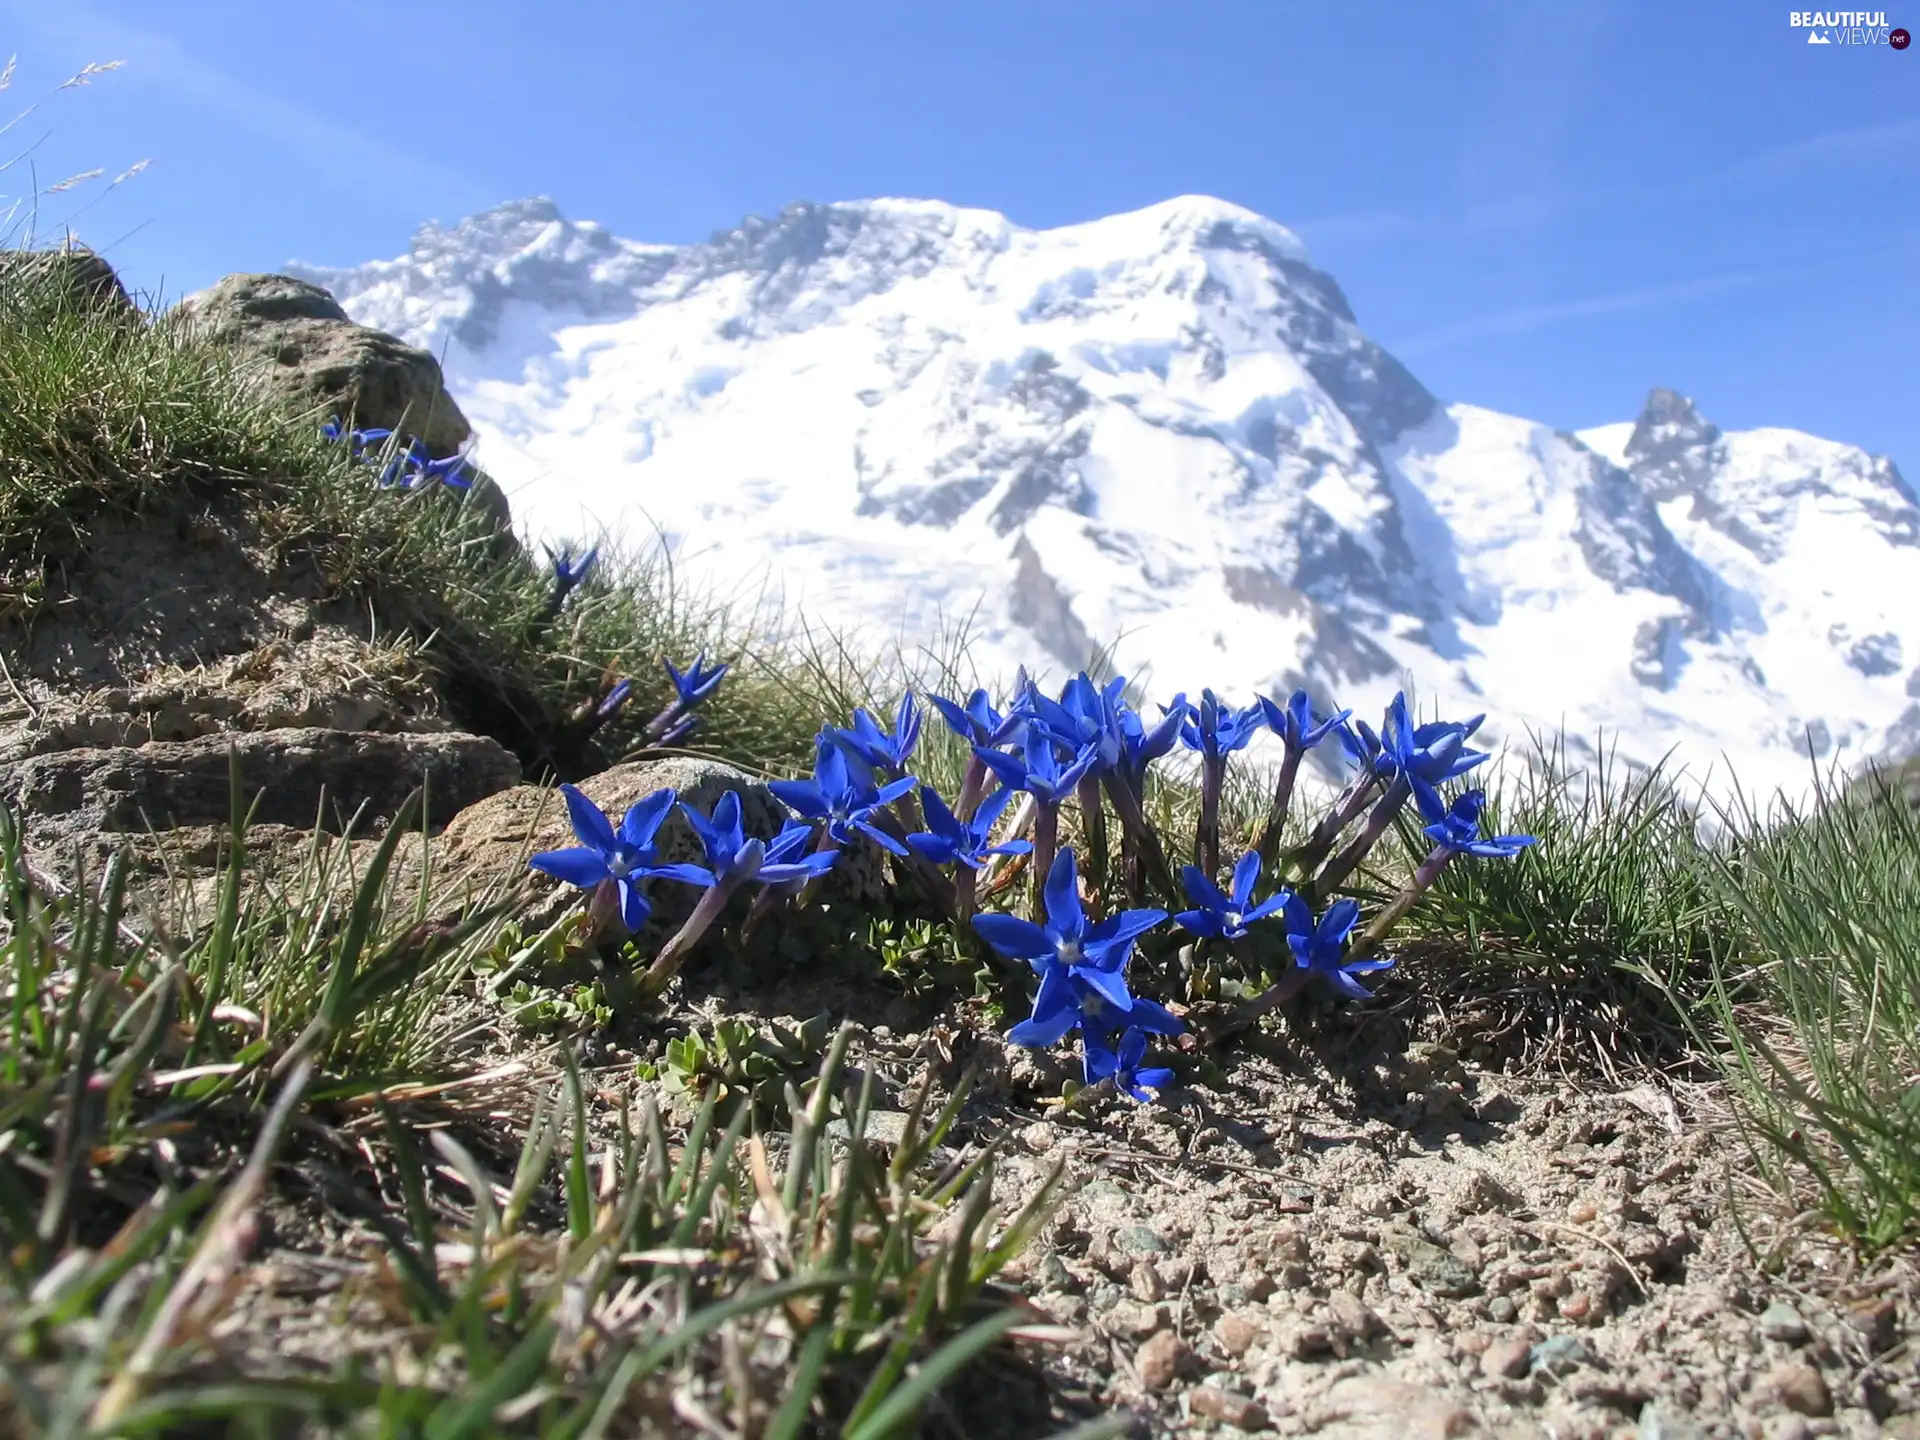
(1110, 985)
(644, 816)
(634, 908)
(1062, 895)
(802, 796)
(590, 822)
(1150, 1015)
(582, 867)
(1201, 889)
(1038, 1034)
(1011, 936)
(686, 874)
(1245, 876)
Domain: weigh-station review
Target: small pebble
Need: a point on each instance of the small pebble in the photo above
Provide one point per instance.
(1145, 1283)
(1576, 1306)
(1801, 1388)
(1502, 1310)
(1038, 1137)
(1236, 1334)
(1582, 1211)
(1561, 1353)
(1054, 1275)
(1228, 1408)
(1780, 1321)
(1129, 1318)
(1507, 1360)
(1139, 1240)
(1159, 1359)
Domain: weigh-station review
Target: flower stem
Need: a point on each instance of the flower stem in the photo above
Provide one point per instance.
(1278, 993)
(1422, 880)
(1126, 804)
(1338, 868)
(1351, 803)
(1046, 840)
(965, 879)
(1276, 825)
(1206, 835)
(657, 976)
(1093, 821)
(973, 789)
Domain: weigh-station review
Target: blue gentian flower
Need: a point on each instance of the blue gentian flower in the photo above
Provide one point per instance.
(610, 705)
(734, 857)
(844, 800)
(1294, 722)
(1081, 967)
(1216, 730)
(1427, 755)
(1122, 1065)
(1038, 770)
(568, 572)
(625, 857)
(1319, 949)
(1458, 830)
(950, 841)
(977, 722)
(875, 748)
(358, 441)
(698, 682)
(1084, 716)
(1223, 916)
(1140, 747)
(452, 472)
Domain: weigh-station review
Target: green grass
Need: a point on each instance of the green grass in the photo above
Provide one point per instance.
(1816, 1007)
(148, 1112)
(100, 412)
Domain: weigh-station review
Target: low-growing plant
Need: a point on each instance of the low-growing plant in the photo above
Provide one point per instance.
(1814, 1011)
(608, 1282)
(1086, 748)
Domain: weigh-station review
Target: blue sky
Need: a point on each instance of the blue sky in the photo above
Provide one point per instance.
(1544, 207)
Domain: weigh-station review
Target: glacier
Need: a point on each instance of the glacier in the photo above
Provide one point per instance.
(1164, 437)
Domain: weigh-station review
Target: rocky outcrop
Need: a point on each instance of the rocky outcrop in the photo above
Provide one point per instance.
(168, 635)
(73, 276)
(307, 350)
(297, 341)
(302, 777)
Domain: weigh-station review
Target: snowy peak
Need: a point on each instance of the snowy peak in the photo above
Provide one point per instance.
(1755, 487)
(1166, 432)
(1672, 451)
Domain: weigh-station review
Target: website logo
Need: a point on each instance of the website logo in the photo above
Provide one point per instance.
(1848, 27)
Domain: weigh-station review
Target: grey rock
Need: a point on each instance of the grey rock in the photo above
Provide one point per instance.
(1139, 1240)
(164, 784)
(300, 343)
(1434, 1268)
(1780, 1321)
(1558, 1354)
(72, 275)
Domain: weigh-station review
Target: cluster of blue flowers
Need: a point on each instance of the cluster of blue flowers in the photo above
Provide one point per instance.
(1088, 745)
(405, 466)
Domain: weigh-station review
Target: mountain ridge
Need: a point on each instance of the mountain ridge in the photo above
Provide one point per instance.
(1166, 430)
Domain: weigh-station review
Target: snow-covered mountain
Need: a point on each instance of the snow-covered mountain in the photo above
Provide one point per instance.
(1165, 431)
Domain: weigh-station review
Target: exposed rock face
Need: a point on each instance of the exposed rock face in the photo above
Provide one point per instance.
(81, 276)
(302, 776)
(314, 355)
(168, 637)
